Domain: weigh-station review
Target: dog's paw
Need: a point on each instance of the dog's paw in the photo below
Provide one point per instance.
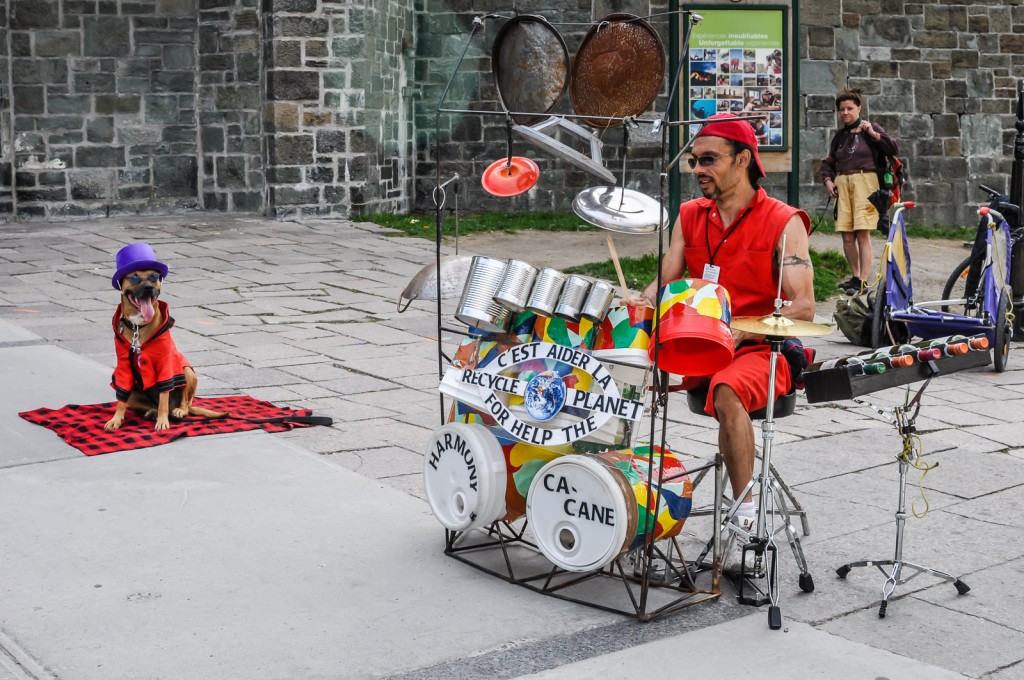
(179, 414)
(162, 424)
(113, 424)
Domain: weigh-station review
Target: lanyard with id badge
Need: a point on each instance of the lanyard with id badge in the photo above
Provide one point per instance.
(712, 272)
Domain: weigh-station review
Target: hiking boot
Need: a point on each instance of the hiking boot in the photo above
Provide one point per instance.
(853, 286)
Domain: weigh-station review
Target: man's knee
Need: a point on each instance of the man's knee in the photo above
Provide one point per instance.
(727, 402)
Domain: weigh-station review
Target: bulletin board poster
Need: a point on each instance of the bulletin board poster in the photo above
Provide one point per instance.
(736, 64)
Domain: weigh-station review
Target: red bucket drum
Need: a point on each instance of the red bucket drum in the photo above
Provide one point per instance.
(695, 337)
(587, 510)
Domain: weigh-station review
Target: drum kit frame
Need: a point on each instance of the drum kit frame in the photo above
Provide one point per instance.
(656, 578)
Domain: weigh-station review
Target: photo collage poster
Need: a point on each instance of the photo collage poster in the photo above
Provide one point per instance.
(736, 64)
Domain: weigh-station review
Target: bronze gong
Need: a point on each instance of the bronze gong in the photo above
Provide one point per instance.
(618, 71)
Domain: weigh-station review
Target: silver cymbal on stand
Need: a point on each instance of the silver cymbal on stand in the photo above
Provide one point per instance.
(622, 210)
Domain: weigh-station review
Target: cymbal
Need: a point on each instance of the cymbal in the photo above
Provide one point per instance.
(780, 326)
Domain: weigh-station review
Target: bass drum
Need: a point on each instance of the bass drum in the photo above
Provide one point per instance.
(530, 64)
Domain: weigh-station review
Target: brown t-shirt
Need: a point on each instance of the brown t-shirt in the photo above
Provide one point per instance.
(850, 152)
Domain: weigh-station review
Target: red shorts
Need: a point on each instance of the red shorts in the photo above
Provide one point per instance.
(747, 375)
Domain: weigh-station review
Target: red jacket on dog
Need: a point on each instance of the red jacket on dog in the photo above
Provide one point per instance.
(157, 365)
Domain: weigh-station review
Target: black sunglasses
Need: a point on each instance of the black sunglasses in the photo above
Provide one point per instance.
(135, 279)
(705, 161)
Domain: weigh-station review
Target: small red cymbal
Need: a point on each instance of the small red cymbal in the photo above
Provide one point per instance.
(505, 178)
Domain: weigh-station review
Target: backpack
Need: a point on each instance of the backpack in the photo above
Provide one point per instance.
(892, 175)
(853, 316)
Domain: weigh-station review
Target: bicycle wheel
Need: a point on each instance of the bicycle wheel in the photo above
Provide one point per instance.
(885, 331)
(1002, 344)
(954, 288)
(878, 335)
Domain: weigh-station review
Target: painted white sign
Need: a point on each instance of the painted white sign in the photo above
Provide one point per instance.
(545, 395)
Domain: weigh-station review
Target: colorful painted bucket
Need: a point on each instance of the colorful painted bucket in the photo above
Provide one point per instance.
(622, 343)
(576, 334)
(586, 510)
(695, 337)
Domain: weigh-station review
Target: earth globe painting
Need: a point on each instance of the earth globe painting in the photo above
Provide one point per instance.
(545, 395)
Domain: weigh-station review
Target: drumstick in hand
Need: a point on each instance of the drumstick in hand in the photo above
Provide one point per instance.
(618, 266)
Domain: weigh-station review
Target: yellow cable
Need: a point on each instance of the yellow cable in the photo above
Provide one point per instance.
(912, 454)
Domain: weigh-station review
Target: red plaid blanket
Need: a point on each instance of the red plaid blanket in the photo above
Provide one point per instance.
(82, 426)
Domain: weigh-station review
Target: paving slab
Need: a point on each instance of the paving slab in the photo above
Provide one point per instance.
(797, 651)
(303, 314)
(48, 377)
(959, 642)
(281, 565)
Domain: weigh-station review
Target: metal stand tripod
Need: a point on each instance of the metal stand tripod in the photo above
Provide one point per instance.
(758, 573)
(904, 424)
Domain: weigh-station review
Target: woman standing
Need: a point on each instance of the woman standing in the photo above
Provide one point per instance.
(850, 173)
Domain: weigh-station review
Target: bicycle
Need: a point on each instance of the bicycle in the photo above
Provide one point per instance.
(897, 317)
(962, 284)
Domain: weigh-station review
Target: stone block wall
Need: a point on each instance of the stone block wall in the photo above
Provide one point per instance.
(103, 106)
(939, 76)
(6, 122)
(468, 143)
(329, 107)
(339, 129)
(230, 105)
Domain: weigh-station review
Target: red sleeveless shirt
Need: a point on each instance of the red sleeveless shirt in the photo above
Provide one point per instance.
(745, 251)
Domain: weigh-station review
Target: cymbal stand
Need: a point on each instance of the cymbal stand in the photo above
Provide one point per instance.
(902, 418)
(760, 544)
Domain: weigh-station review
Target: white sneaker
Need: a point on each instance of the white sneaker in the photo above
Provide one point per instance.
(745, 523)
(754, 567)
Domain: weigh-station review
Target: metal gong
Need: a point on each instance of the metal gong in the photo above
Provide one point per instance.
(530, 64)
(618, 71)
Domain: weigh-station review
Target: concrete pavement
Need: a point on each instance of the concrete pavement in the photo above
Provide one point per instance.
(312, 554)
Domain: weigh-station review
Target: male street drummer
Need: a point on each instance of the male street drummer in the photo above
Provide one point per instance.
(733, 236)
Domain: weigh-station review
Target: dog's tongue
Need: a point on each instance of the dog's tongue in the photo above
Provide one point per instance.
(146, 309)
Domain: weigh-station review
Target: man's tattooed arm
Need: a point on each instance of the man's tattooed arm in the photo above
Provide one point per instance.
(792, 260)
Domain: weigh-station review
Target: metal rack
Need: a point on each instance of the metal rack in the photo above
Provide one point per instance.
(654, 579)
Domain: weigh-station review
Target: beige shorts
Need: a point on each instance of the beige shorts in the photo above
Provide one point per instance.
(855, 212)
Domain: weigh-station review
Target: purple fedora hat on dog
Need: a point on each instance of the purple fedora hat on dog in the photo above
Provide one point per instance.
(136, 257)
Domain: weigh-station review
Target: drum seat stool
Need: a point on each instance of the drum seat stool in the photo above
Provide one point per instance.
(784, 406)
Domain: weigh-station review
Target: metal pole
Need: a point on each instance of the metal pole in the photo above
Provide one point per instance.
(1017, 174)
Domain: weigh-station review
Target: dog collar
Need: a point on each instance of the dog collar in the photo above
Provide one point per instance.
(134, 328)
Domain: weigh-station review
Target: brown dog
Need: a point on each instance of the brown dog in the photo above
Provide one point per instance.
(152, 377)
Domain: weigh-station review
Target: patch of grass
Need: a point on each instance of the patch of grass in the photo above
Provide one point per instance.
(639, 271)
(423, 225)
(829, 268)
